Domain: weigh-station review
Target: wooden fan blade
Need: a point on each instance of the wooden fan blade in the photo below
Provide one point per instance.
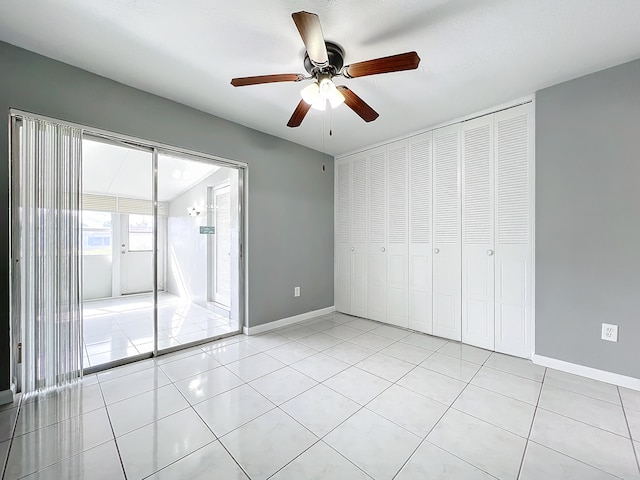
(311, 32)
(283, 77)
(298, 114)
(355, 103)
(394, 63)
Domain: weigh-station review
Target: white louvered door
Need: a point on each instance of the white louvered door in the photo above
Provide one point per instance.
(359, 236)
(377, 235)
(478, 271)
(397, 233)
(514, 242)
(420, 246)
(342, 232)
(447, 281)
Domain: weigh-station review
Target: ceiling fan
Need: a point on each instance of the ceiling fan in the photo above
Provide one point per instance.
(323, 61)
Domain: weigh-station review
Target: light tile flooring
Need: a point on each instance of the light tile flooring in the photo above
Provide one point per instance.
(122, 327)
(335, 398)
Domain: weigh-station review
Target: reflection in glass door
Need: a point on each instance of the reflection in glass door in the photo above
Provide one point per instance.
(201, 295)
(219, 250)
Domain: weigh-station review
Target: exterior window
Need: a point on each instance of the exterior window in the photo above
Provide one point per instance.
(140, 233)
(96, 233)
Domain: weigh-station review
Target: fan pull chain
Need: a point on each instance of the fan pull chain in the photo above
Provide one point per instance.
(322, 132)
(331, 122)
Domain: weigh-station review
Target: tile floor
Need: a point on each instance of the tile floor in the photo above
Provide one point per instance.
(122, 327)
(335, 398)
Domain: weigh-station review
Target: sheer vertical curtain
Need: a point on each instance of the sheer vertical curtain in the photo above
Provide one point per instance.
(47, 275)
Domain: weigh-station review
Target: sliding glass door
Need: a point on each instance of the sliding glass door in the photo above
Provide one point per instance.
(201, 296)
(161, 253)
(158, 251)
(117, 250)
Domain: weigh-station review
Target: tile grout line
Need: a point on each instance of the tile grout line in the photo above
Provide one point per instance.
(217, 439)
(13, 434)
(533, 419)
(633, 445)
(361, 406)
(319, 439)
(425, 439)
(115, 440)
(584, 423)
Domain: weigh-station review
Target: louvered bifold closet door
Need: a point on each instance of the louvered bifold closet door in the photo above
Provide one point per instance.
(447, 278)
(377, 235)
(478, 269)
(359, 236)
(514, 240)
(420, 246)
(397, 234)
(343, 235)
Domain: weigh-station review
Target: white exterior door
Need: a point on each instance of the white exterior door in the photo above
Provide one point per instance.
(420, 243)
(514, 236)
(222, 246)
(397, 233)
(377, 235)
(136, 253)
(447, 281)
(359, 236)
(343, 241)
(478, 270)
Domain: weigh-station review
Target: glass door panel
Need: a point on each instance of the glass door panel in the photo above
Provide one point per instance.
(117, 251)
(201, 229)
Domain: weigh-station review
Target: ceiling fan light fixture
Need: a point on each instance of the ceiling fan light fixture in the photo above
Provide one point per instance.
(326, 86)
(336, 99)
(310, 93)
(320, 103)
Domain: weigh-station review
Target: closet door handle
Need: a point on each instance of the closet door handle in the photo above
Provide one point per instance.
(436, 250)
(489, 252)
(353, 249)
(382, 249)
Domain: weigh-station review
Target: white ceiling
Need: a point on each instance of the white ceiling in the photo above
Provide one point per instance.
(476, 54)
(109, 169)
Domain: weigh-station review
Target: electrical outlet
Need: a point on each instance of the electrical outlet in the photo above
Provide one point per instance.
(296, 291)
(609, 332)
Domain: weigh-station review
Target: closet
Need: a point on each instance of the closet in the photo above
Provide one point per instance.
(435, 232)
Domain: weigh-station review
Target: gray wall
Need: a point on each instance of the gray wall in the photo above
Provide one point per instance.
(588, 219)
(290, 197)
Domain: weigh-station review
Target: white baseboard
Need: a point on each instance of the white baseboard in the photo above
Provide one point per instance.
(593, 373)
(287, 321)
(6, 396)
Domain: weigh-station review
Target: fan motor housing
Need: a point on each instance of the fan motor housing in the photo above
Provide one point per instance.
(336, 60)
